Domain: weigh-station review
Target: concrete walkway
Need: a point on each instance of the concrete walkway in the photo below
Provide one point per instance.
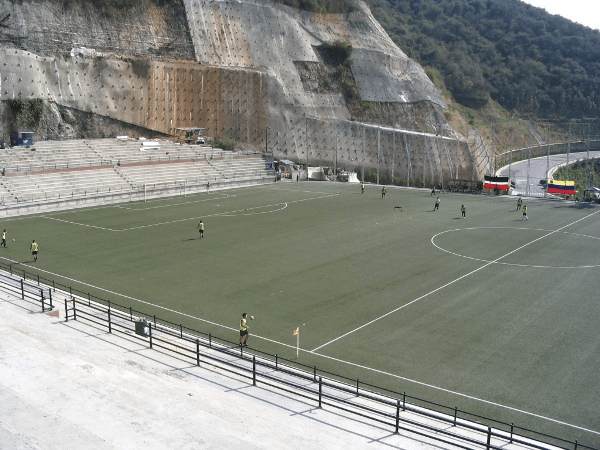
(69, 385)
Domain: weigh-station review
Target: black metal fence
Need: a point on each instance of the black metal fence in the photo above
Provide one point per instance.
(395, 411)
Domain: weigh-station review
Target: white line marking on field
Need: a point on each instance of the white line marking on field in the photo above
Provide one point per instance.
(221, 197)
(78, 223)
(577, 427)
(245, 213)
(536, 266)
(239, 212)
(276, 207)
(116, 293)
(450, 283)
(326, 194)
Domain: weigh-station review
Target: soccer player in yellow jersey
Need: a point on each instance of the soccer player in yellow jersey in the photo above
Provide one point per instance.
(34, 250)
(244, 330)
(201, 229)
(3, 238)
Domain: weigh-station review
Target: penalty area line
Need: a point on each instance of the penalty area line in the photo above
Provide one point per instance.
(280, 206)
(169, 205)
(78, 223)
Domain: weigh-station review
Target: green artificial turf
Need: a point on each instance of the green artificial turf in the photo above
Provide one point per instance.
(492, 314)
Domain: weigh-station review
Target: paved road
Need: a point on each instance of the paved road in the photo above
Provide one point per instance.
(527, 174)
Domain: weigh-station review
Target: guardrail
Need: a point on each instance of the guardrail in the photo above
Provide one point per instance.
(27, 291)
(396, 411)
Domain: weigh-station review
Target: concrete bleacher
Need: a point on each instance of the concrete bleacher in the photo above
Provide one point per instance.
(6, 196)
(47, 155)
(41, 186)
(196, 172)
(132, 150)
(247, 167)
(140, 175)
(91, 168)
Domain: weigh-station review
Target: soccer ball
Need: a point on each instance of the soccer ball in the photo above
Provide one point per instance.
(13, 240)
(252, 317)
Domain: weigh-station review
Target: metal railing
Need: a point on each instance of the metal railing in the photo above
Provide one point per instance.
(396, 411)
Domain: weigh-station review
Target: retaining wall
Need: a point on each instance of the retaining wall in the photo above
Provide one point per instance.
(244, 85)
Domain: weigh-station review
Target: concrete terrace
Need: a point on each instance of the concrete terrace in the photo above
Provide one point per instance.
(62, 174)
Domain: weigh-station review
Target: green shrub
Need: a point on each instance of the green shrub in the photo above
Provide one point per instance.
(370, 108)
(225, 144)
(347, 81)
(584, 173)
(435, 76)
(335, 53)
(27, 112)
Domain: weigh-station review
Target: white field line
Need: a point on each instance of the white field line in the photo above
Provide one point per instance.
(460, 394)
(245, 212)
(451, 282)
(223, 196)
(536, 266)
(78, 223)
(440, 388)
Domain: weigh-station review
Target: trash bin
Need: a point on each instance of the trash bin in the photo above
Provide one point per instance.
(141, 327)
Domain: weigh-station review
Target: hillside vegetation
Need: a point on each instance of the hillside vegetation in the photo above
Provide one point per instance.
(583, 173)
(520, 56)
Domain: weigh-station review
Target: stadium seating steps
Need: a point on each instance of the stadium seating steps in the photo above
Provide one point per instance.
(88, 167)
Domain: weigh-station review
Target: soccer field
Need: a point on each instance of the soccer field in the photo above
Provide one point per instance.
(492, 314)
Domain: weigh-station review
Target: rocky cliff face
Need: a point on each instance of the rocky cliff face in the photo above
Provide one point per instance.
(251, 70)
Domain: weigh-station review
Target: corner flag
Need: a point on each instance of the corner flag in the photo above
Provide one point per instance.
(296, 332)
